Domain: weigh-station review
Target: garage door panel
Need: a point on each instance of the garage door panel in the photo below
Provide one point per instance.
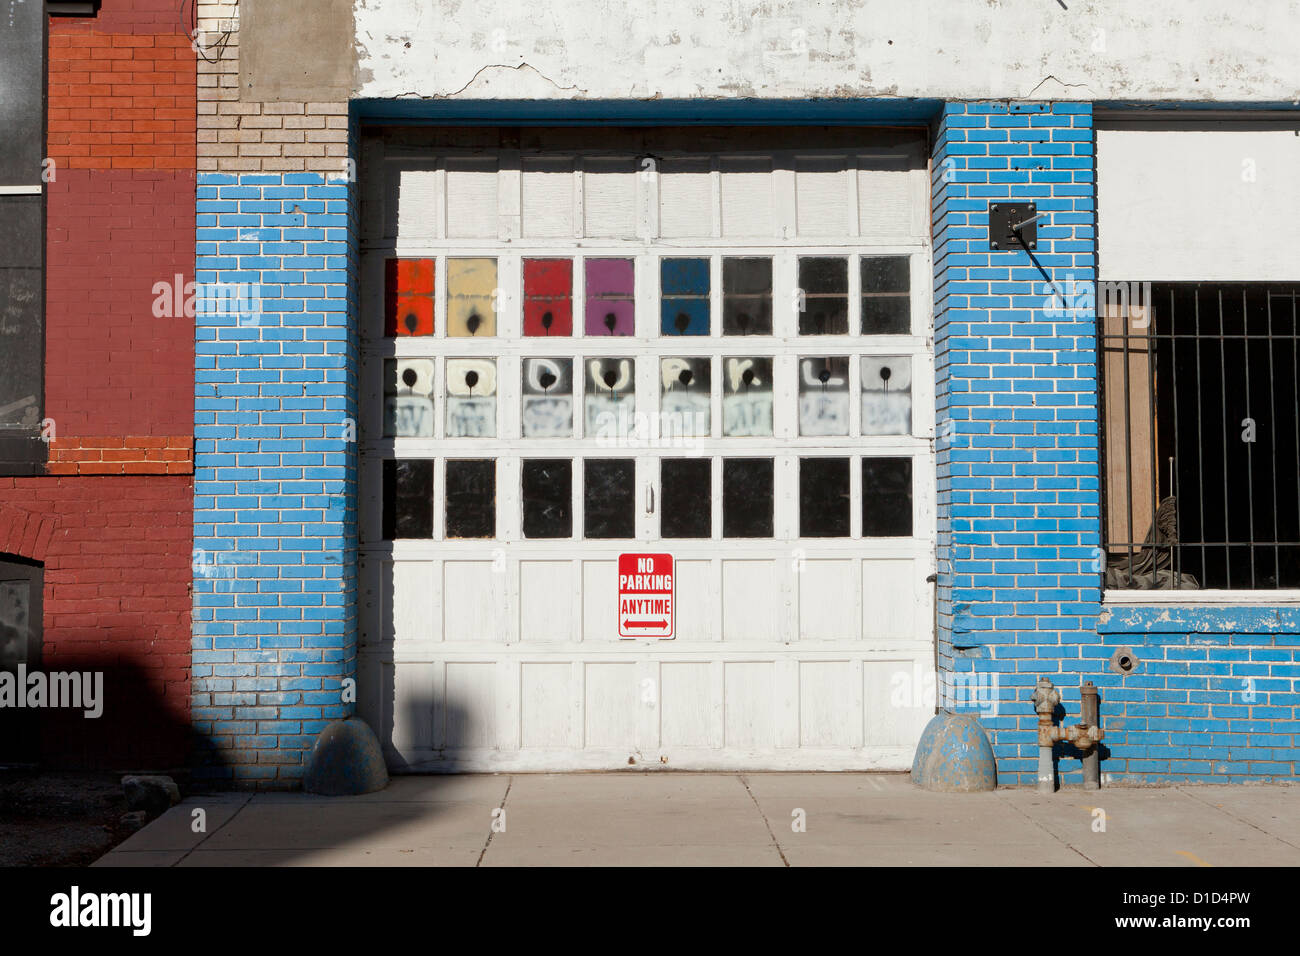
(472, 198)
(599, 601)
(473, 603)
(748, 200)
(827, 600)
(686, 207)
(751, 600)
(470, 705)
(611, 706)
(546, 601)
(829, 700)
(411, 589)
(690, 708)
(894, 702)
(417, 204)
(416, 699)
(548, 712)
(889, 599)
(549, 189)
(695, 601)
(749, 708)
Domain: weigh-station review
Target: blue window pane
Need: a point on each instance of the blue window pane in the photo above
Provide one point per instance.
(684, 277)
(684, 286)
(685, 317)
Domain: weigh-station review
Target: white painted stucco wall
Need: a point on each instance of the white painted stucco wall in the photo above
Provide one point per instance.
(792, 49)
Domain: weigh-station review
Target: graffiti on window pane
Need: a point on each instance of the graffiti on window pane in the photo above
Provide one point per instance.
(471, 398)
(684, 285)
(547, 391)
(610, 400)
(824, 395)
(408, 296)
(471, 297)
(548, 297)
(610, 296)
(746, 397)
(886, 395)
(408, 398)
(685, 397)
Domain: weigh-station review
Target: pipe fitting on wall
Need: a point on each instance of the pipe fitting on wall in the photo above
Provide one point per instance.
(1084, 736)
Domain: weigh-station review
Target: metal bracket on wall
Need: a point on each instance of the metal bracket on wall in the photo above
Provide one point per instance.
(1013, 225)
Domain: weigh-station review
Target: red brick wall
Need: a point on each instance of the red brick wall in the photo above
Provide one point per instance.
(117, 553)
(120, 100)
(112, 367)
(113, 517)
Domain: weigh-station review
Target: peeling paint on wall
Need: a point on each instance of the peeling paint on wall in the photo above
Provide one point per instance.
(785, 49)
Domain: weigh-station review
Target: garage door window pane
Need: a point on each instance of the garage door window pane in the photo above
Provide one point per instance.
(886, 395)
(408, 499)
(687, 507)
(684, 288)
(408, 296)
(823, 497)
(547, 398)
(886, 303)
(886, 497)
(747, 296)
(471, 310)
(548, 498)
(824, 299)
(408, 398)
(548, 297)
(471, 398)
(747, 497)
(609, 497)
(471, 498)
(824, 395)
(685, 398)
(610, 293)
(746, 397)
(610, 399)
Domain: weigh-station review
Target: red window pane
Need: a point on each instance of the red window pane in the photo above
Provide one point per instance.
(548, 297)
(408, 297)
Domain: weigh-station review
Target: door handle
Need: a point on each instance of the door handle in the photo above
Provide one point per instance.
(649, 499)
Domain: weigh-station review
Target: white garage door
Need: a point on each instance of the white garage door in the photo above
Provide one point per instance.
(585, 343)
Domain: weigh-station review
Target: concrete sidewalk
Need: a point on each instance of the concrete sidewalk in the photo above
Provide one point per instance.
(678, 819)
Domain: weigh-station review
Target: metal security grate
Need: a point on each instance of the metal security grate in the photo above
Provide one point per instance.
(1200, 435)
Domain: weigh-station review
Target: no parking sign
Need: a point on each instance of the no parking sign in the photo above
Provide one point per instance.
(645, 595)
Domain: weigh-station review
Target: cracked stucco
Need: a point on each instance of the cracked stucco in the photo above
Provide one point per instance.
(784, 49)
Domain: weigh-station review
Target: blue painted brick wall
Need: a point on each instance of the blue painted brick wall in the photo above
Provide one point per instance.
(275, 562)
(1020, 498)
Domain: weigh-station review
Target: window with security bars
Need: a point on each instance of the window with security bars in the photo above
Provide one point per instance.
(1200, 388)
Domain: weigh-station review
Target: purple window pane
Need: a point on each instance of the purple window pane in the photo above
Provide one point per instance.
(610, 297)
(610, 277)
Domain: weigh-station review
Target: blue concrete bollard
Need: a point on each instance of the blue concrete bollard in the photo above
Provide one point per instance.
(954, 756)
(345, 760)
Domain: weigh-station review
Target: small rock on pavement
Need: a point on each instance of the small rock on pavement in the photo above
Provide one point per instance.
(151, 794)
